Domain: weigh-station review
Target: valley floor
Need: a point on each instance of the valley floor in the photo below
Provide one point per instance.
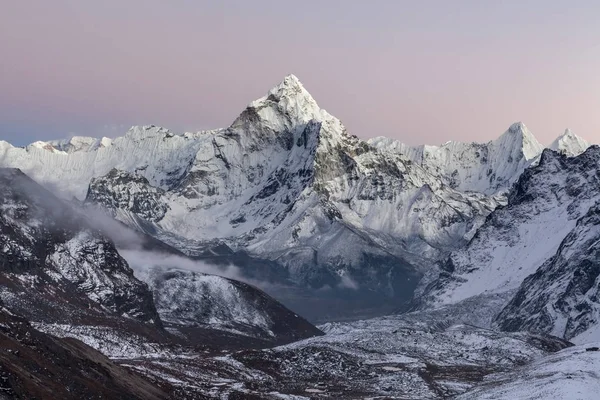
(395, 357)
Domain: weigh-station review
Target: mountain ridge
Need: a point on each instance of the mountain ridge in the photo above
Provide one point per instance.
(61, 269)
(538, 252)
(286, 183)
(495, 244)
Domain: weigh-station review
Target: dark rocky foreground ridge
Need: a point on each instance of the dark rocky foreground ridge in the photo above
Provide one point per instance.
(35, 365)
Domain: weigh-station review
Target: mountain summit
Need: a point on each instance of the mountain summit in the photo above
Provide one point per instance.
(518, 138)
(290, 91)
(285, 106)
(569, 144)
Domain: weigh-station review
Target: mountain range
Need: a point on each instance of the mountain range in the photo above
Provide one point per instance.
(164, 243)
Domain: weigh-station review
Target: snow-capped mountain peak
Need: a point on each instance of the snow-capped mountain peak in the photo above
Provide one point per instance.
(518, 138)
(290, 89)
(284, 106)
(569, 144)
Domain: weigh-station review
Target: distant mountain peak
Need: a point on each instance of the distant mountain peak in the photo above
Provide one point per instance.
(518, 136)
(518, 127)
(520, 130)
(568, 134)
(293, 96)
(41, 145)
(569, 144)
(80, 143)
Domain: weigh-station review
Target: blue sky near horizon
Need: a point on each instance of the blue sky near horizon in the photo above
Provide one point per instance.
(421, 72)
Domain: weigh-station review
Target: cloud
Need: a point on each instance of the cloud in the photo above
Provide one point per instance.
(144, 253)
(142, 261)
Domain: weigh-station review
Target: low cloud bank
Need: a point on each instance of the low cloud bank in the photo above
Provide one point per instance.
(141, 261)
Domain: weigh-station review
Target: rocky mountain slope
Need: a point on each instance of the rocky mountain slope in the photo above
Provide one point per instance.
(61, 270)
(562, 296)
(568, 374)
(539, 246)
(189, 301)
(56, 269)
(37, 365)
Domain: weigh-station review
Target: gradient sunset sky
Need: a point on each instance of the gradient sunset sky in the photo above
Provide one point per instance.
(420, 71)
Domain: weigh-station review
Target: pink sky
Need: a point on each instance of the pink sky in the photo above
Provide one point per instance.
(422, 72)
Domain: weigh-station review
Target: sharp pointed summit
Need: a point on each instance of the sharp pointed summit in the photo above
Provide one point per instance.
(569, 144)
(284, 106)
(289, 91)
(518, 127)
(290, 87)
(519, 139)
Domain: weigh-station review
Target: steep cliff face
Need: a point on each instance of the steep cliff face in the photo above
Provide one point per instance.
(563, 296)
(543, 207)
(121, 190)
(539, 246)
